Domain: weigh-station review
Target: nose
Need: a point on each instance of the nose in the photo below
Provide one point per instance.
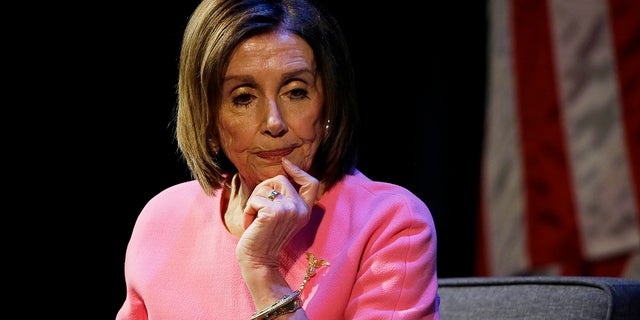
(275, 125)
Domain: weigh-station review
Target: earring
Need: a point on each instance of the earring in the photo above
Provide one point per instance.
(214, 146)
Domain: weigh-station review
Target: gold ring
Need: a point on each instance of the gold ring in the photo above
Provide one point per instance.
(273, 194)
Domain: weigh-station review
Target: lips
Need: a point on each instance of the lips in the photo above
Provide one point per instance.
(270, 154)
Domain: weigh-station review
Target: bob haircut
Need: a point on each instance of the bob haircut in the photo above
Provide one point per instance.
(214, 30)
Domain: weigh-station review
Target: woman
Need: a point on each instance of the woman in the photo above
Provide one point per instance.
(278, 222)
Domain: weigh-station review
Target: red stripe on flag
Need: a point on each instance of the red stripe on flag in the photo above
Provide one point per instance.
(550, 209)
(625, 22)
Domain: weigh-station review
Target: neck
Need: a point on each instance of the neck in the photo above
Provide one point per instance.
(237, 200)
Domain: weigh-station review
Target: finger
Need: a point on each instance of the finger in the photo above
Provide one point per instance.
(248, 219)
(254, 204)
(309, 185)
(260, 198)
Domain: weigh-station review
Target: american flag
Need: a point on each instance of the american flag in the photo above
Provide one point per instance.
(560, 187)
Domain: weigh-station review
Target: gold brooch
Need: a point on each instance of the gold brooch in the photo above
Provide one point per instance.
(314, 264)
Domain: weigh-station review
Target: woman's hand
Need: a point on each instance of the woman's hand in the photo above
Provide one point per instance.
(271, 223)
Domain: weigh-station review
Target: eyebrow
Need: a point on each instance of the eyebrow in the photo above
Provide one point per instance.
(298, 72)
(287, 75)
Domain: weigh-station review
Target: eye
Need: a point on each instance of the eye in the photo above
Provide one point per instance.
(298, 94)
(242, 100)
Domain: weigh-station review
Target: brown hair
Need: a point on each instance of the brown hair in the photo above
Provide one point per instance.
(214, 29)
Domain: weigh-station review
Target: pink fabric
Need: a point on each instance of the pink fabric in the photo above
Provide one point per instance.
(379, 239)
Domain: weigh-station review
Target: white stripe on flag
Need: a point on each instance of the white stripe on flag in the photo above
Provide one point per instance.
(591, 107)
(502, 173)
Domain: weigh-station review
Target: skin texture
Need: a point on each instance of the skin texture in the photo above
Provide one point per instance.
(271, 107)
(269, 125)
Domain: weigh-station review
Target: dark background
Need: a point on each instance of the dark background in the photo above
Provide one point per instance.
(103, 76)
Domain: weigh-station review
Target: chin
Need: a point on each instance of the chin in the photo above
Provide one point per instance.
(270, 172)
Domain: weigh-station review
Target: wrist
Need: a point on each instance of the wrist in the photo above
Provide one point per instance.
(266, 285)
(287, 304)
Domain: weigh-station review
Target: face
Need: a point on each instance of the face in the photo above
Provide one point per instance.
(271, 106)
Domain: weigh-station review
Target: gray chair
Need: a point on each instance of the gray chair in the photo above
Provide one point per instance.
(539, 297)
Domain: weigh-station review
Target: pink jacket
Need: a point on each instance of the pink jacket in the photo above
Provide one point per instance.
(379, 239)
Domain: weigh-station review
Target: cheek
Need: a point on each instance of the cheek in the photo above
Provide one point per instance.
(307, 130)
(234, 134)
(311, 135)
(311, 132)
(308, 127)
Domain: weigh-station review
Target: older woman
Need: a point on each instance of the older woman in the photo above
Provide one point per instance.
(278, 222)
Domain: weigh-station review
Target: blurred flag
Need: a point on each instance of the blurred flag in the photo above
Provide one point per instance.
(560, 179)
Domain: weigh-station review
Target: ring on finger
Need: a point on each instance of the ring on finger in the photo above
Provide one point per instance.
(273, 194)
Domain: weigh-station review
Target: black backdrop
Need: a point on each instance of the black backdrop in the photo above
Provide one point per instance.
(421, 79)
